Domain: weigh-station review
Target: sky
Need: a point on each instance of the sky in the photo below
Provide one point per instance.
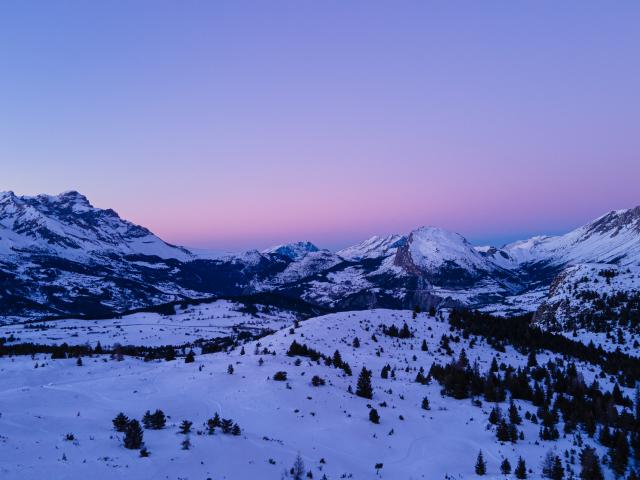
(236, 124)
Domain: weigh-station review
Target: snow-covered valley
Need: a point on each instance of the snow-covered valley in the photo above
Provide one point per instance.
(203, 321)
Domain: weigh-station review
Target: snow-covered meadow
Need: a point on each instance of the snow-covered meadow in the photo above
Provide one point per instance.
(208, 320)
(328, 426)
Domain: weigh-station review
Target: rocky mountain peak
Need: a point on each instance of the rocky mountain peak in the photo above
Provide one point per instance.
(293, 251)
(616, 220)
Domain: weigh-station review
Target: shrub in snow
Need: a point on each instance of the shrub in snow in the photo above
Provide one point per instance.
(155, 420)
(373, 416)
(185, 427)
(280, 376)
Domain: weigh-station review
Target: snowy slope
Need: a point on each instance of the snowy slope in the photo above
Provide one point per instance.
(432, 248)
(586, 302)
(326, 425)
(373, 247)
(611, 238)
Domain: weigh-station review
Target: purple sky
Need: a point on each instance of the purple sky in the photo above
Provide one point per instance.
(243, 124)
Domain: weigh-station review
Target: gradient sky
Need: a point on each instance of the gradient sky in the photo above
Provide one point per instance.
(233, 124)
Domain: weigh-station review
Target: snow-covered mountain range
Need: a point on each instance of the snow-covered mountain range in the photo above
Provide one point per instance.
(298, 366)
(59, 255)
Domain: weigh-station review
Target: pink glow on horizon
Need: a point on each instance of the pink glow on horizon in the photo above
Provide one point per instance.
(227, 127)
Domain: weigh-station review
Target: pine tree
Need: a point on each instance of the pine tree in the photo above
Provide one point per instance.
(619, 453)
(79, 361)
(159, 420)
(425, 404)
(363, 387)
(547, 464)
(226, 425)
(373, 416)
(120, 422)
(590, 465)
(190, 358)
(635, 444)
(513, 433)
(185, 427)
(297, 471)
(216, 420)
(133, 435)
(505, 467)
(147, 420)
(557, 471)
(405, 332)
(481, 465)
(424, 347)
(502, 432)
(494, 365)
(521, 469)
(495, 416)
(230, 369)
(514, 416)
(186, 443)
(337, 359)
(212, 424)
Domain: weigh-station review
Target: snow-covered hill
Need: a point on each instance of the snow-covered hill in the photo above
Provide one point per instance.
(596, 303)
(326, 424)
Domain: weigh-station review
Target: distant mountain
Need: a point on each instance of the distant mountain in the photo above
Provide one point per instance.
(612, 238)
(374, 247)
(293, 251)
(69, 226)
(59, 255)
(442, 256)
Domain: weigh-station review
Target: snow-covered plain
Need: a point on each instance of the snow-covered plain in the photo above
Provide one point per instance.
(210, 320)
(328, 426)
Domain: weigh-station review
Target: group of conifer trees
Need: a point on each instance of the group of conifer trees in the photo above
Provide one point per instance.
(134, 434)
